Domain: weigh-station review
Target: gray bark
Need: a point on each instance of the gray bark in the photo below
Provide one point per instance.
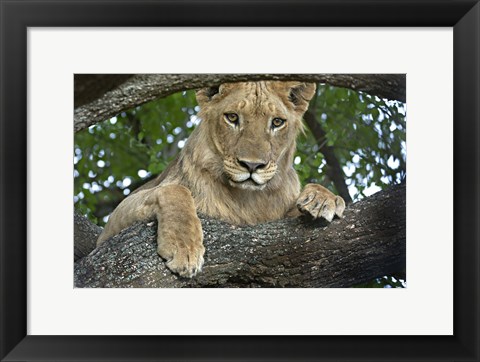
(85, 235)
(112, 94)
(368, 242)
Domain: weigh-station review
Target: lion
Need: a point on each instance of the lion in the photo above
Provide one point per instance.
(236, 166)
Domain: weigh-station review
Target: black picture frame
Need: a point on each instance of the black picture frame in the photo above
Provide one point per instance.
(18, 15)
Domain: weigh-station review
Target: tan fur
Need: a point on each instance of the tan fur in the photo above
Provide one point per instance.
(211, 174)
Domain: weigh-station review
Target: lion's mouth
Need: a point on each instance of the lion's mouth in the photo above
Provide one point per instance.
(248, 175)
(255, 177)
(247, 183)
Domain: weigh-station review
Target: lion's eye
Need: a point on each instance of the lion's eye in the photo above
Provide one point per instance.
(231, 117)
(278, 122)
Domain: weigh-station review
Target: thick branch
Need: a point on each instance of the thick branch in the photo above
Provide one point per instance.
(88, 87)
(85, 235)
(369, 242)
(132, 91)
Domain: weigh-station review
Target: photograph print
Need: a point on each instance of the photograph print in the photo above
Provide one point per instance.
(239, 181)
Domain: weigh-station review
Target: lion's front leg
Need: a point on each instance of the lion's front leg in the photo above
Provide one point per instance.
(317, 201)
(180, 235)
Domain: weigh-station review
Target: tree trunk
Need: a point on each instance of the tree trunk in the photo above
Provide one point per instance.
(368, 242)
(334, 170)
(112, 94)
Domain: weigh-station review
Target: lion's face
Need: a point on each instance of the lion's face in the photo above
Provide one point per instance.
(253, 127)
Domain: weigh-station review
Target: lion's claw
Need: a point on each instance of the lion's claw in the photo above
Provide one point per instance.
(317, 201)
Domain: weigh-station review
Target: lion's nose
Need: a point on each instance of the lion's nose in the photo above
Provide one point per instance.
(252, 166)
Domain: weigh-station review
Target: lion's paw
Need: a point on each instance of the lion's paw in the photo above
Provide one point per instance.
(317, 201)
(182, 257)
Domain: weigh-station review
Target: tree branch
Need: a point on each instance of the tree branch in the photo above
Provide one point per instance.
(335, 172)
(85, 235)
(98, 103)
(368, 242)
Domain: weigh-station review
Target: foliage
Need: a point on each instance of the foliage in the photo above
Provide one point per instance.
(384, 282)
(368, 135)
(116, 156)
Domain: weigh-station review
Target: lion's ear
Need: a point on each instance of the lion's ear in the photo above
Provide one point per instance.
(218, 92)
(205, 95)
(300, 95)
